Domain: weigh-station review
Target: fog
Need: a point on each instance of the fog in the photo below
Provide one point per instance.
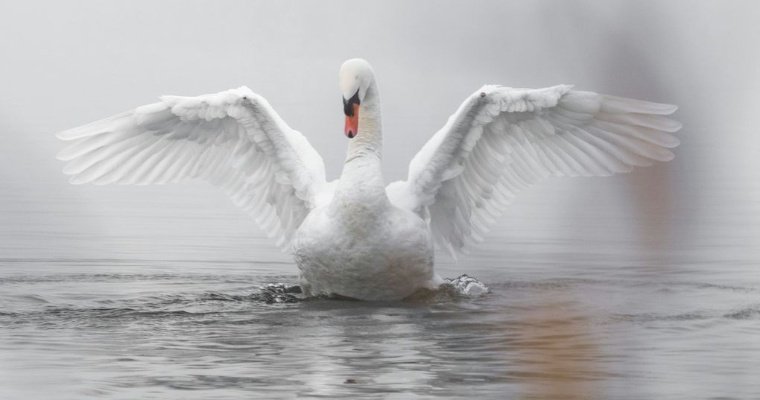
(68, 63)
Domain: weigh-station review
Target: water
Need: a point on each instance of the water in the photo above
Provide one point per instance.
(153, 298)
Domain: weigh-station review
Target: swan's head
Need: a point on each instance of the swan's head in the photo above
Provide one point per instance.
(355, 78)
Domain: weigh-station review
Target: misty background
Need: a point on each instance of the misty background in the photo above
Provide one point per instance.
(636, 286)
(68, 63)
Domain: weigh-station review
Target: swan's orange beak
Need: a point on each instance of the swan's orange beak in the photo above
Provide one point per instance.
(352, 122)
(351, 109)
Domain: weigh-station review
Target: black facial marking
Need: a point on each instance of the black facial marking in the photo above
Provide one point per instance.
(348, 108)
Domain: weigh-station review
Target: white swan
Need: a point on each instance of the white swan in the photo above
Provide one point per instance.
(356, 237)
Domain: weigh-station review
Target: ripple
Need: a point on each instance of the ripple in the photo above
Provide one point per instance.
(650, 317)
(752, 312)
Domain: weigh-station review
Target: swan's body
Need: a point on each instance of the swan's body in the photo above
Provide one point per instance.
(364, 248)
(357, 237)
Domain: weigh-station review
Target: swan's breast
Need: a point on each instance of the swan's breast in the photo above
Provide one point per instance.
(385, 256)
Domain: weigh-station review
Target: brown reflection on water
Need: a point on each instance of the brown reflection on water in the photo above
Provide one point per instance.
(558, 356)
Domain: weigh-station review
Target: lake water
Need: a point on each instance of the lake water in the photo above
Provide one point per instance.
(103, 296)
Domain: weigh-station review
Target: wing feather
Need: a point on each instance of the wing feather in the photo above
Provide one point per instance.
(233, 139)
(503, 140)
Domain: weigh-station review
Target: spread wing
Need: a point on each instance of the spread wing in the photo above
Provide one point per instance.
(233, 139)
(502, 140)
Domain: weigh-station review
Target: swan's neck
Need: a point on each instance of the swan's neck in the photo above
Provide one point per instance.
(369, 139)
(362, 175)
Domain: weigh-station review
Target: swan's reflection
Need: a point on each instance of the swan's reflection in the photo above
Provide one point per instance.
(364, 348)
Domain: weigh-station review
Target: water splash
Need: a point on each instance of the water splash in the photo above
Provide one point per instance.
(467, 286)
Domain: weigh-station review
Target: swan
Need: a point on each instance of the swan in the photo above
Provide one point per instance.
(354, 236)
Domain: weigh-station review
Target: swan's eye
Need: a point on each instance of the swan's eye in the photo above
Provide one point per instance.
(348, 105)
